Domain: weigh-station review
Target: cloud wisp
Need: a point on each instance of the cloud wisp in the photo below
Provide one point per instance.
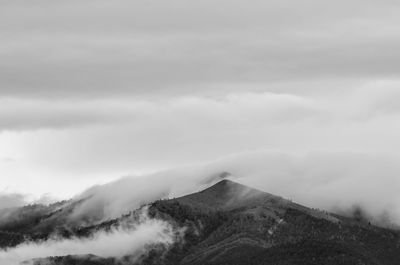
(119, 242)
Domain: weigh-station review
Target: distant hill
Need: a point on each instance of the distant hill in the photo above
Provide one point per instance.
(229, 223)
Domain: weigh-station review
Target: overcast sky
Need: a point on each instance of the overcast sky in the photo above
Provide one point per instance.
(94, 90)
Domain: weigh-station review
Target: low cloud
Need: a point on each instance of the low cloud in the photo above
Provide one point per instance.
(133, 241)
(332, 181)
(113, 199)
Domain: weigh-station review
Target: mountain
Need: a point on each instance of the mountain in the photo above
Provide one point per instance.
(229, 223)
(240, 225)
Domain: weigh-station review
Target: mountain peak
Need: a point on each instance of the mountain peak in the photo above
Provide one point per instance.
(229, 188)
(226, 194)
(215, 178)
(227, 182)
(224, 183)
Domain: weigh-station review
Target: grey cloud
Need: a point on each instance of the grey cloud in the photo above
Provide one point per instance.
(230, 111)
(111, 137)
(169, 68)
(103, 48)
(43, 114)
(384, 98)
(16, 114)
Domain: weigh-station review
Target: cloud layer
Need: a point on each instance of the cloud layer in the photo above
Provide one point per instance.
(73, 144)
(135, 48)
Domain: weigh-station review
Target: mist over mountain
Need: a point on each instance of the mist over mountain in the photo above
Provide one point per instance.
(338, 182)
(223, 223)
